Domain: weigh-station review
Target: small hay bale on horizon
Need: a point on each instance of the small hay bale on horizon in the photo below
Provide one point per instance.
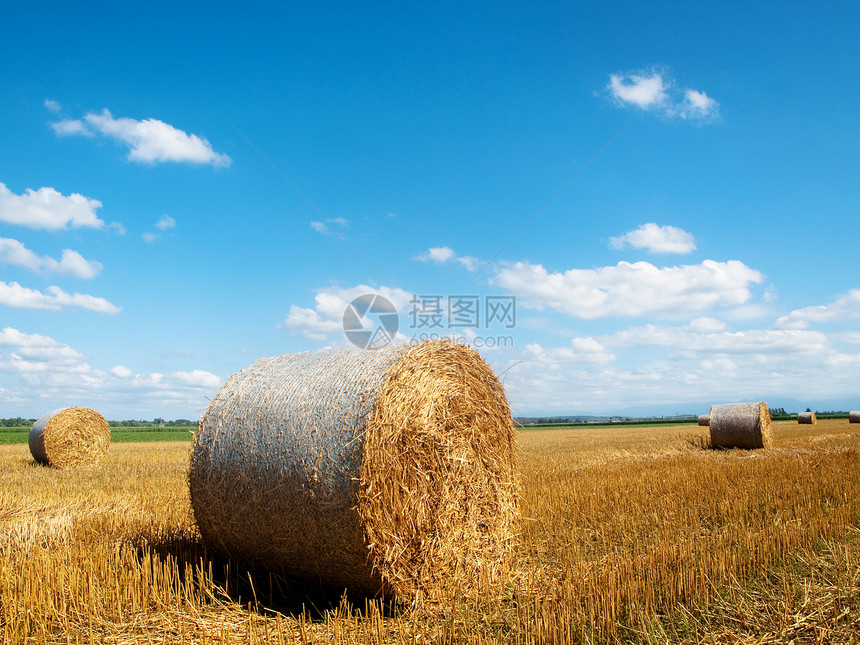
(704, 419)
(69, 437)
(741, 425)
(854, 416)
(807, 418)
(387, 473)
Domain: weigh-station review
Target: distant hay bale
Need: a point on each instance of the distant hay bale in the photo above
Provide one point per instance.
(387, 472)
(741, 425)
(704, 419)
(807, 418)
(854, 416)
(69, 437)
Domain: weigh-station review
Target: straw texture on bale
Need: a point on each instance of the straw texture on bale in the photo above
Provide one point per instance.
(704, 419)
(807, 418)
(854, 416)
(741, 425)
(388, 472)
(69, 437)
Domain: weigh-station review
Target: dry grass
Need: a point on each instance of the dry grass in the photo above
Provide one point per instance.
(632, 535)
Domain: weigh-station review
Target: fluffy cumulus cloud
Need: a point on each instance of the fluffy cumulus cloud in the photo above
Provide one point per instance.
(698, 105)
(630, 289)
(71, 263)
(698, 363)
(36, 368)
(844, 308)
(580, 350)
(13, 294)
(445, 254)
(47, 209)
(656, 239)
(325, 320)
(708, 336)
(655, 91)
(149, 140)
(643, 91)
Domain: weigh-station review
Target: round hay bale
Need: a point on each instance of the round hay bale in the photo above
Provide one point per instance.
(854, 416)
(807, 418)
(387, 472)
(69, 437)
(704, 419)
(741, 425)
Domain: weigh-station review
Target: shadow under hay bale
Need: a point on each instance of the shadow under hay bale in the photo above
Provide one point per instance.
(704, 419)
(807, 418)
(741, 425)
(854, 416)
(69, 437)
(388, 472)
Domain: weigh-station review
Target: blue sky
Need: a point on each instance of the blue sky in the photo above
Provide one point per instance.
(669, 196)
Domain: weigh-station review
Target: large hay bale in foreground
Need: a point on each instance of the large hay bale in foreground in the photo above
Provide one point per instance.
(704, 419)
(383, 472)
(741, 425)
(807, 418)
(69, 437)
(854, 416)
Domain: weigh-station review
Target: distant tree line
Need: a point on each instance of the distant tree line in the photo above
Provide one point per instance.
(14, 422)
(158, 421)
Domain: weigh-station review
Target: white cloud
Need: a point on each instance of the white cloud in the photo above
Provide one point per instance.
(71, 264)
(326, 318)
(72, 127)
(581, 350)
(47, 209)
(698, 105)
(121, 371)
(444, 254)
(198, 378)
(654, 365)
(708, 336)
(149, 140)
(165, 223)
(53, 106)
(13, 294)
(41, 373)
(325, 229)
(656, 239)
(642, 91)
(656, 91)
(309, 323)
(627, 289)
(844, 308)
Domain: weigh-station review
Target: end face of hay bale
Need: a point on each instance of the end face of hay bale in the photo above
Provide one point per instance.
(377, 471)
(807, 418)
(438, 494)
(741, 425)
(704, 419)
(854, 416)
(69, 437)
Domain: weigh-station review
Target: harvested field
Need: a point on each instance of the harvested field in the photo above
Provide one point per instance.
(631, 534)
